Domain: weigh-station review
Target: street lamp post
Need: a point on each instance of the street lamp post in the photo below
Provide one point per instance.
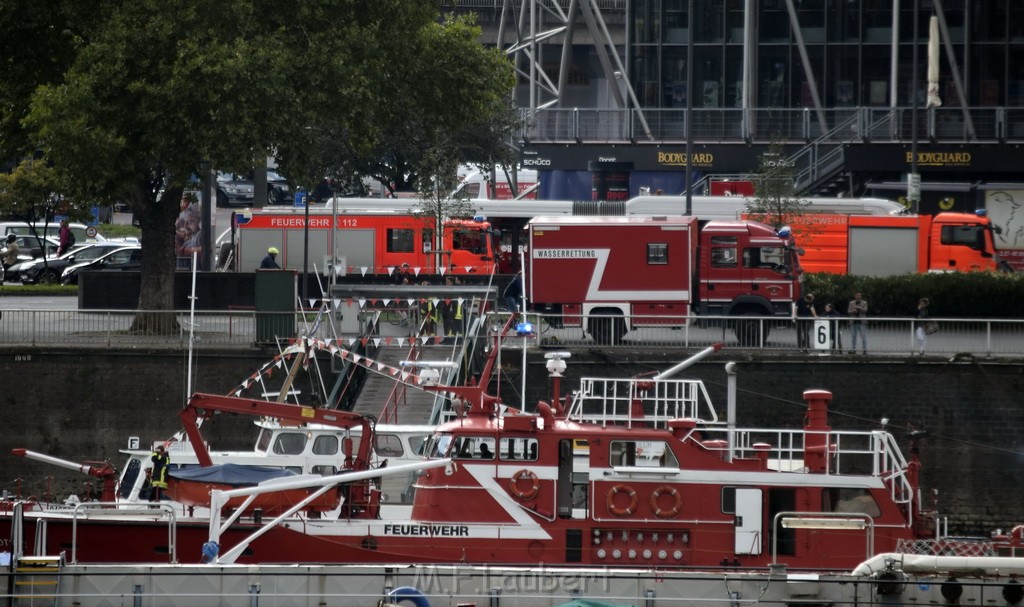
(206, 219)
(913, 179)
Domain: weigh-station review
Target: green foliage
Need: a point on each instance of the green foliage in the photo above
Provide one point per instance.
(447, 99)
(951, 295)
(119, 230)
(128, 99)
(38, 290)
(775, 202)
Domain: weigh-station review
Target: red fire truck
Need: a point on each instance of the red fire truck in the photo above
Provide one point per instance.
(364, 243)
(892, 245)
(613, 274)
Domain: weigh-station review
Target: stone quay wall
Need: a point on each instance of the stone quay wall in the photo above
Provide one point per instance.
(84, 405)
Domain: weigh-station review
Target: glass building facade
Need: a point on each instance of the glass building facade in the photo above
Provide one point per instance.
(850, 45)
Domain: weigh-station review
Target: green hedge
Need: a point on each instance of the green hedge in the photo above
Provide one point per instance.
(951, 295)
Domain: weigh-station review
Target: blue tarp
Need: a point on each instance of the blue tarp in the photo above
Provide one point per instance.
(230, 474)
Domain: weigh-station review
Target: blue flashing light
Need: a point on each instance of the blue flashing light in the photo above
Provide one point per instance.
(480, 218)
(524, 329)
(784, 232)
(980, 212)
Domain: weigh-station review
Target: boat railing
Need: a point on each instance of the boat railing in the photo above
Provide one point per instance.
(154, 510)
(873, 453)
(611, 401)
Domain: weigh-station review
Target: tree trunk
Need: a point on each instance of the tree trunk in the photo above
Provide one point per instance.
(156, 295)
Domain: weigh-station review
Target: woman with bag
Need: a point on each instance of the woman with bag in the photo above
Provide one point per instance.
(925, 326)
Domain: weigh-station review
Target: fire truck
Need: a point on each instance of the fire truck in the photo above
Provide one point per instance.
(366, 243)
(610, 275)
(892, 245)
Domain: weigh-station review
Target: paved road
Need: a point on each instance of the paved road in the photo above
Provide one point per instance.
(8, 301)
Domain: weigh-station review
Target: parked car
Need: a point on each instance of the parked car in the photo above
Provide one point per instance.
(233, 189)
(52, 230)
(32, 247)
(132, 262)
(278, 190)
(50, 272)
(118, 258)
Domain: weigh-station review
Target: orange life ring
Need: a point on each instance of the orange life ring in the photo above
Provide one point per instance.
(513, 484)
(616, 510)
(666, 512)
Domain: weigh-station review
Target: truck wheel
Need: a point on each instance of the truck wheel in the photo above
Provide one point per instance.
(751, 333)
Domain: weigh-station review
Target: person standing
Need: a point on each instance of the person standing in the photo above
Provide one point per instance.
(805, 314)
(858, 313)
(833, 317)
(922, 322)
(513, 293)
(270, 261)
(11, 254)
(158, 476)
(64, 237)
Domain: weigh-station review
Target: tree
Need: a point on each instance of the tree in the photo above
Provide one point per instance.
(30, 193)
(149, 91)
(775, 201)
(449, 96)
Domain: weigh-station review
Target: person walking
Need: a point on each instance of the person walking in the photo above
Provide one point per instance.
(858, 313)
(270, 261)
(805, 314)
(921, 330)
(158, 476)
(10, 254)
(65, 238)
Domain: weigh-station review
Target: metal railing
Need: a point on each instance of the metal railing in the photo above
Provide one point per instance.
(964, 337)
(764, 125)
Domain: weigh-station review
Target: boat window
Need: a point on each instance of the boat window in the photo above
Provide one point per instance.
(438, 445)
(849, 500)
(644, 454)
(290, 443)
(729, 500)
(325, 445)
(519, 449)
(263, 442)
(324, 470)
(294, 469)
(473, 447)
(388, 445)
(417, 444)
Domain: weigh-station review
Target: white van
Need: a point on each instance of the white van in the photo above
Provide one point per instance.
(52, 230)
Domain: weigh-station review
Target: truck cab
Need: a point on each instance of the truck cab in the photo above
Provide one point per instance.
(747, 269)
(961, 242)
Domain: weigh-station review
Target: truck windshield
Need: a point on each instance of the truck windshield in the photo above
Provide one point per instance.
(965, 236)
(474, 241)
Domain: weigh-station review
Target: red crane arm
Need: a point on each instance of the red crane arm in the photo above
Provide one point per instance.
(205, 405)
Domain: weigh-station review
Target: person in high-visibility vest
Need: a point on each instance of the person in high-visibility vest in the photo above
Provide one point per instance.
(158, 476)
(452, 312)
(430, 315)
